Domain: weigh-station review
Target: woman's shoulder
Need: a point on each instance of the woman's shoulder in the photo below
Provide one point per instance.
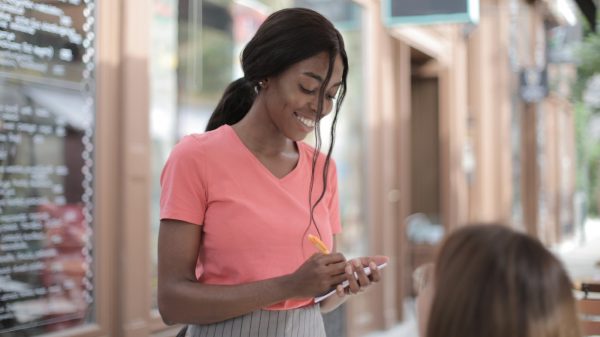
(200, 142)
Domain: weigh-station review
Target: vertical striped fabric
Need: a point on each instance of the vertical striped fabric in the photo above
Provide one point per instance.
(301, 322)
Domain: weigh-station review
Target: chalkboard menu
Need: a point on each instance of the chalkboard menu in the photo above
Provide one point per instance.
(47, 106)
(398, 12)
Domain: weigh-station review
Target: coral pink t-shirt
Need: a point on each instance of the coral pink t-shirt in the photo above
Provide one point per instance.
(253, 222)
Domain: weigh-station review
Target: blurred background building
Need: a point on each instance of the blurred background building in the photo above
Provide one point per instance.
(457, 112)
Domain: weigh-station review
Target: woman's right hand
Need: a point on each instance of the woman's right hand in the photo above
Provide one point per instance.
(320, 273)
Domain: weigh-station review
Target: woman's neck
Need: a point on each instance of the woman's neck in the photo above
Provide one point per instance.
(258, 132)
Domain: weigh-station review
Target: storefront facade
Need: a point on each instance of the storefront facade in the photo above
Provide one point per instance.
(434, 133)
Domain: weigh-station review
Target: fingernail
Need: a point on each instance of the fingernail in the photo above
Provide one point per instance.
(340, 290)
(373, 265)
(356, 263)
(348, 270)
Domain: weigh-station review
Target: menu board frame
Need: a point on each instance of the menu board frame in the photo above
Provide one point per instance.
(393, 17)
(85, 86)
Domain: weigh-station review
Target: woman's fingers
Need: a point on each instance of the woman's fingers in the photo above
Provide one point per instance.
(363, 279)
(375, 274)
(358, 278)
(338, 279)
(332, 258)
(337, 268)
(353, 285)
(360, 273)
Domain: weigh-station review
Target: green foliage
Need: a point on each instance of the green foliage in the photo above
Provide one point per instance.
(589, 63)
(588, 150)
(589, 55)
(594, 177)
(581, 144)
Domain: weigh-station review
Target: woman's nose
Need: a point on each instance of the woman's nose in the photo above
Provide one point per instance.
(314, 105)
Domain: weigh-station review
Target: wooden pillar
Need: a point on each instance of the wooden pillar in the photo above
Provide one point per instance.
(529, 169)
(403, 139)
(452, 128)
(490, 116)
(133, 243)
(107, 198)
(529, 134)
(388, 238)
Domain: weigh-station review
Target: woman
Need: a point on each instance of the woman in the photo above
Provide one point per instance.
(239, 201)
(491, 281)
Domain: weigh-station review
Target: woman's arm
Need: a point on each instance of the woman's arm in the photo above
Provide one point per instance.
(181, 299)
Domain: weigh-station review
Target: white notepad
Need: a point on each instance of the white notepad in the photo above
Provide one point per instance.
(345, 283)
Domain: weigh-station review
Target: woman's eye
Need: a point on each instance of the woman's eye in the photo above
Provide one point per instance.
(307, 91)
(314, 91)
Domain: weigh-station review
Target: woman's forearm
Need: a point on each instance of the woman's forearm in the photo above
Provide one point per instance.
(190, 302)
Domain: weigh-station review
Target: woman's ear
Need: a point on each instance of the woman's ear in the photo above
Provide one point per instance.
(262, 84)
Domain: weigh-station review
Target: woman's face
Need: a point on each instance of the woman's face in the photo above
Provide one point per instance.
(292, 97)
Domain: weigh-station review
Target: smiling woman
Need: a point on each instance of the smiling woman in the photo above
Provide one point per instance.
(239, 201)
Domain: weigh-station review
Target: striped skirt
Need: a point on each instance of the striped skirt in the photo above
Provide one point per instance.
(301, 322)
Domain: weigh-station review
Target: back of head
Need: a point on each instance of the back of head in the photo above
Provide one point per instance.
(492, 281)
(286, 37)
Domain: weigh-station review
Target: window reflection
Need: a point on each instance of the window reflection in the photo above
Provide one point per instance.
(45, 260)
(46, 151)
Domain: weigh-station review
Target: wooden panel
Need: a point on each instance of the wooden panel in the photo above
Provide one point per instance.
(134, 284)
(425, 154)
(589, 328)
(589, 312)
(403, 138)
(107, 151)
(589, 306)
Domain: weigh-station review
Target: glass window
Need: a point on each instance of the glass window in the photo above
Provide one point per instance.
(349, 149)
(163, 109)
(46, 166)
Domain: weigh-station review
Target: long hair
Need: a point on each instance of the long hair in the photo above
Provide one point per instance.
(285, 38)
(492, 281)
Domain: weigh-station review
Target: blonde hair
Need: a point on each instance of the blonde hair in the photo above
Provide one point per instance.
(491, 281)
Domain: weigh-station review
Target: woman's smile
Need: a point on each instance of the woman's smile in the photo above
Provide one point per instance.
(306, 122)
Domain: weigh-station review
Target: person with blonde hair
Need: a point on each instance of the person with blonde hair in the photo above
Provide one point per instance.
(491, 281)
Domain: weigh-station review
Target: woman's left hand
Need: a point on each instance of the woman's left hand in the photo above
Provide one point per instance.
(361, 281)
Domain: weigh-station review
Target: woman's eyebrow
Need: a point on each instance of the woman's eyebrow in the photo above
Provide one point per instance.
(318, 78)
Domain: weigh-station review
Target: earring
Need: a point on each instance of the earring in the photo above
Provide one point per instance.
(260, 85)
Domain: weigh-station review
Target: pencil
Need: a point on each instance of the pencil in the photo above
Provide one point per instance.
(318, 244)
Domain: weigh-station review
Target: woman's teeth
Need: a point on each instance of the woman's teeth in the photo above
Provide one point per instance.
(309, 123)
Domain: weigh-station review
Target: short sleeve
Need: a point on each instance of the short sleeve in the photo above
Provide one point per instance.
(334, 202)
(183, 187)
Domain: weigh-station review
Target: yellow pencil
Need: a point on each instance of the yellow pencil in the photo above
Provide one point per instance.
(318, 244)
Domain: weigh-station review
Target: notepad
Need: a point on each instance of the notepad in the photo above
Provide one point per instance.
(346, 283)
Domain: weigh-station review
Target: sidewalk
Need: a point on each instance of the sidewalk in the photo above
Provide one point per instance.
(579, 257)
(408, 328)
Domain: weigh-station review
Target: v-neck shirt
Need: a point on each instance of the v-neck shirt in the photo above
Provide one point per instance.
(254, 223)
